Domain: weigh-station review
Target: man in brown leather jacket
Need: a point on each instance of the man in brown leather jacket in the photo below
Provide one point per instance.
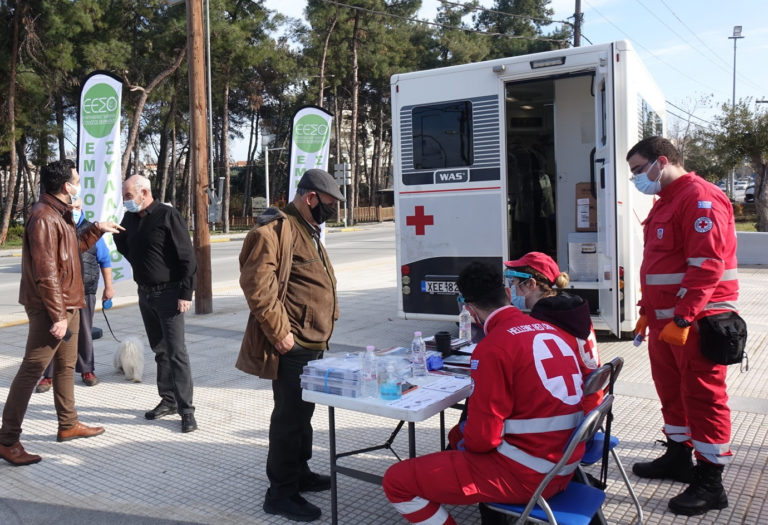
(52, 293)
(290, 287)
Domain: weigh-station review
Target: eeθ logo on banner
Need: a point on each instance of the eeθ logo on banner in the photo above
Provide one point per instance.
(310, 133)
(100, 110)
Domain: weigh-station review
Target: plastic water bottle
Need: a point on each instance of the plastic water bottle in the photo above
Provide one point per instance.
(369, 374)
(465, 324)
(418, 355)
(390, 386)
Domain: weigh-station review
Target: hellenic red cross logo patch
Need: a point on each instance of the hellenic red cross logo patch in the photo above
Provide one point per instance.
(419, 220)
(703, 224)
(557, 367)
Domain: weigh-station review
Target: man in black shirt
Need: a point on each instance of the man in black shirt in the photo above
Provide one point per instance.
(156, 242)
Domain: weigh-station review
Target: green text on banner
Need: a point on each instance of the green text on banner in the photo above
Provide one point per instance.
(98, 154)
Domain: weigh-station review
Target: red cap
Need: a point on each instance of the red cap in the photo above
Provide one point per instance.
(541, 262)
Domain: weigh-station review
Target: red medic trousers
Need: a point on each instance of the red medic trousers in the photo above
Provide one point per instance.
(416, 487)
(694, 402)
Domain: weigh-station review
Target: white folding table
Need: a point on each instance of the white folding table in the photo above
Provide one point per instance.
(423, 403)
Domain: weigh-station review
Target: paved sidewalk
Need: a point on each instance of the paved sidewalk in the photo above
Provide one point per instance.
(147, 472)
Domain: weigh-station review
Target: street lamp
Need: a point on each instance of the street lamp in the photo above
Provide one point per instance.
(736, 36)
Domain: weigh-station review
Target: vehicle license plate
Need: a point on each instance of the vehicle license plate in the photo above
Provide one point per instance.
(439, 287)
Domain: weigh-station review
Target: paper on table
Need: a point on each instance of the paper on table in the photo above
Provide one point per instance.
(457, 359)
(418, 399)
(448, 384)
(468, 349)
(395, 350)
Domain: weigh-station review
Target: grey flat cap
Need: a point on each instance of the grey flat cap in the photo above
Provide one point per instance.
(320, 180)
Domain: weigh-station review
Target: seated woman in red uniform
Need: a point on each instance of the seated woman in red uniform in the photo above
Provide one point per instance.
(537, 278)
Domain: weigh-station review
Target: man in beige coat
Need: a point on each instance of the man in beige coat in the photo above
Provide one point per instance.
(290, 287)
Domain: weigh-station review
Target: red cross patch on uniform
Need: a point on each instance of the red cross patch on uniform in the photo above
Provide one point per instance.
(587, 349)
(557, 367)
(703, 224)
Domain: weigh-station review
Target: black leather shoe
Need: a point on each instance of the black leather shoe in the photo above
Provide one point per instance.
(293, 507)
(160, 410)
(314, 483)
(188, 423)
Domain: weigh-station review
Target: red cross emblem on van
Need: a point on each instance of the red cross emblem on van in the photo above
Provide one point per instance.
(419, 220)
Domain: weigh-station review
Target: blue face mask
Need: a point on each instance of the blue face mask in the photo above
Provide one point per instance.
(131, 206)
(76, 214)
(646, 185)
(518, 301)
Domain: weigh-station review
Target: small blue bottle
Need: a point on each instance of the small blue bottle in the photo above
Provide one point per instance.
(390, 386)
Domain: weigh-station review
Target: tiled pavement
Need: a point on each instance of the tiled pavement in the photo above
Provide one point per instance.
(143, 471)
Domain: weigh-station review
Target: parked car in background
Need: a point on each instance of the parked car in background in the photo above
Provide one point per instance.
(749, 193)
(740, 185)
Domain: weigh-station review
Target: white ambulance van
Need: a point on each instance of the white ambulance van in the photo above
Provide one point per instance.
(498, 158)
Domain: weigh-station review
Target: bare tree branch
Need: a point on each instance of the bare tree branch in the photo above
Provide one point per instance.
(140, 106)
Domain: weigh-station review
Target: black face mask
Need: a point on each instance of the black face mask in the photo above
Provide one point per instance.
(322, 212)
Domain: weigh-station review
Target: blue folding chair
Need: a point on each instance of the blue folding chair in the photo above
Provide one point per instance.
(578, 503)
(604, 442)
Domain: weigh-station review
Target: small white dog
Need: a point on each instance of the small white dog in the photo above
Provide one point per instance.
(129, 359)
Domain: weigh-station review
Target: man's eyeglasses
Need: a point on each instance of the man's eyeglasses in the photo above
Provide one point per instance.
(641, 169)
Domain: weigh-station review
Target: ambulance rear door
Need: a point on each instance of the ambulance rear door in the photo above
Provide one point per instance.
(449, 200)
(604, 170)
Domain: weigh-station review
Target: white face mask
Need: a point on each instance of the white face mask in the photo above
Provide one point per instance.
(75, 196)
(646, 185)
(76, 216)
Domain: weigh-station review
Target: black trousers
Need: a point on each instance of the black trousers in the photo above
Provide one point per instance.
(165, 329)
(290, 427)
(85, 362)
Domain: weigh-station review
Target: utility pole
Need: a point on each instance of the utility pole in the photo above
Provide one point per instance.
(577, 25)
(199, 154)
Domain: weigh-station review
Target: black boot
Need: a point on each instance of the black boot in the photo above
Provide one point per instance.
(705, 493)
(676, 464)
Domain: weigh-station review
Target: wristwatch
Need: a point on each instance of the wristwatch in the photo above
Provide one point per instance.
(682, 323)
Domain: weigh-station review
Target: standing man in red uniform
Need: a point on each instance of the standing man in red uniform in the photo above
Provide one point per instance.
(688, 272)
(526, 377)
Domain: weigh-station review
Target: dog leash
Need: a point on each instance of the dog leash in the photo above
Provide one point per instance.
(104, 312)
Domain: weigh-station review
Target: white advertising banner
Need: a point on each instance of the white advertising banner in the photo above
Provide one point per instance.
(310, 144)
(98, 157)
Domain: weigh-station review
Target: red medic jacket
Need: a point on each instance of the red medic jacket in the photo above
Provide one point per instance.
(527, 382)
(689, 264)
(571, 314)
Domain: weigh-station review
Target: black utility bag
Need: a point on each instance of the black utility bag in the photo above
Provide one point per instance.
(723, 337)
